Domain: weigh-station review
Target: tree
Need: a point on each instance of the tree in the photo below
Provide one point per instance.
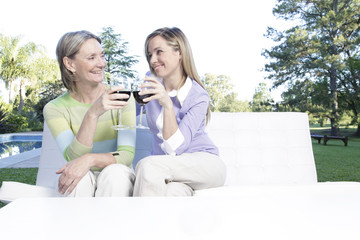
(48, 92)
(325, 35)
(217, 87)
(11, 56)
(26, 65)
(118, 63)
(230, 103)
(262, 101)
(349, 93)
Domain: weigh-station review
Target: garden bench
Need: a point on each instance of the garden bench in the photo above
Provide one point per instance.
(317, 137)
(344, 139)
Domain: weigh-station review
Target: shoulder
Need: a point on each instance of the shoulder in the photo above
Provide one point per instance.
(59, 104)
(197, 92)
(64, 100)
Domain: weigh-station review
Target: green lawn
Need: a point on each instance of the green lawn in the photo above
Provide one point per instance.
(24, 175)
(335, 162)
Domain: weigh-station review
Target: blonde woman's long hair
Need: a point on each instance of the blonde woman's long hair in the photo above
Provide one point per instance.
(177, 40)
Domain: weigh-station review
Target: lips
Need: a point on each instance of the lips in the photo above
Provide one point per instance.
(156, 68)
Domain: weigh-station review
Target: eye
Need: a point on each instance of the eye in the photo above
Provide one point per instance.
(158, 52)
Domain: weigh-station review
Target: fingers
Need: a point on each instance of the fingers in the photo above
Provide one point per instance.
(119, 96)
(110, 100)
(60, 170)
(71, 174)
(73, 185)
(64, 183)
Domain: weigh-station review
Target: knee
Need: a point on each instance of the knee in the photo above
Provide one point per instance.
(116, 173)
(115, 180)
(85, 187)
(147, 168)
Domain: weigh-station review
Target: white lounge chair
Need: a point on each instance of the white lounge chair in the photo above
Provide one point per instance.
(257, 148)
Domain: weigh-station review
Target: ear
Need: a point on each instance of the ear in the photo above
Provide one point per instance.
(179, 55)
(69, 64)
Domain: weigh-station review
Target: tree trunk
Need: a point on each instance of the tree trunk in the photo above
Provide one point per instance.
(333, 86)
(358, 130)
(10, 92)
(334, 119)
(22, 96)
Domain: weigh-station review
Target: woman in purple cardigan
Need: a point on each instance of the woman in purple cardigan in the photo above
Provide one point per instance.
(183, 157)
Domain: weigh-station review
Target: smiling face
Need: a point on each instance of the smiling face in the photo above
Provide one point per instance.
(164, 60)
(88, 64)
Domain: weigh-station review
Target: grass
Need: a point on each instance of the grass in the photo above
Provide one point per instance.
(334, 162)
(24, 175)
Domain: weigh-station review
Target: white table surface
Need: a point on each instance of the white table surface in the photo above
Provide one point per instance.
(320, 211)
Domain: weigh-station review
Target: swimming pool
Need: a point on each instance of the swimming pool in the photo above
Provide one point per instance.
(13, 144)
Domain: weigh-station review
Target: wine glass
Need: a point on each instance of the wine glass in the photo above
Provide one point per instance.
(139, 98)
(116, 81)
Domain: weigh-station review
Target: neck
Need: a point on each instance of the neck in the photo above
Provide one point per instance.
(174, 83)
(88, 94)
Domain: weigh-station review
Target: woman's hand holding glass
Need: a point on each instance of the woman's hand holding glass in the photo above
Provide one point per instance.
(155, 90)
(142, 94)
(121, 92)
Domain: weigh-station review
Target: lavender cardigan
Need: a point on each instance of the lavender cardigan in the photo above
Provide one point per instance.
(190, 107)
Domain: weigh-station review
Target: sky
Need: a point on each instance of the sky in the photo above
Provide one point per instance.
(226, 36)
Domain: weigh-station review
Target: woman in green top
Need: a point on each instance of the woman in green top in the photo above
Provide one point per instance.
(99, 158)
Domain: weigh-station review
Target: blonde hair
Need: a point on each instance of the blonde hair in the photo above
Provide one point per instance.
(177, 40)
(68, 46)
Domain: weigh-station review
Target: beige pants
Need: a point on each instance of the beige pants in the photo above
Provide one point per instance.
(164, 175)
(115, 180)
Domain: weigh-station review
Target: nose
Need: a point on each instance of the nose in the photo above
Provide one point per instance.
(153, 59)
(102, 62)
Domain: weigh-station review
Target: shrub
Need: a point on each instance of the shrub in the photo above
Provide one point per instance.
(34, 124)
(4, 111)
(16, 122)
(50, 91)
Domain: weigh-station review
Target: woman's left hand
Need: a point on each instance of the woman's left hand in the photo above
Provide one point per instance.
(72, 173)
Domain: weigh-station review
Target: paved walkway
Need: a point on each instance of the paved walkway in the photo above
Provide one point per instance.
(28, 159)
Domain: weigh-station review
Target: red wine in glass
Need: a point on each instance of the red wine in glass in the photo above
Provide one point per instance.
(128, 92)
(116, 81)
(139, 98)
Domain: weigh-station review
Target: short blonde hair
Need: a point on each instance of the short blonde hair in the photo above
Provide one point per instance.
(178, 41)
(68, 46)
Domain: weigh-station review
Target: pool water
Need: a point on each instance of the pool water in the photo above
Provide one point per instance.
(11, 145)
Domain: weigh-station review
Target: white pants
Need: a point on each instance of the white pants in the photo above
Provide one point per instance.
(115, 180)
(164, 175)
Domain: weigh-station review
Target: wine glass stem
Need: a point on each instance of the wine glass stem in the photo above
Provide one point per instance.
(141, 112)
(120, 120)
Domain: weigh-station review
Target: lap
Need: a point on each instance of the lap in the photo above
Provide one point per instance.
(198, 170)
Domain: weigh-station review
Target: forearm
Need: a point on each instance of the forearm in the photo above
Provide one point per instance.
(99, 160)
(169, 121)
(87, 129)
